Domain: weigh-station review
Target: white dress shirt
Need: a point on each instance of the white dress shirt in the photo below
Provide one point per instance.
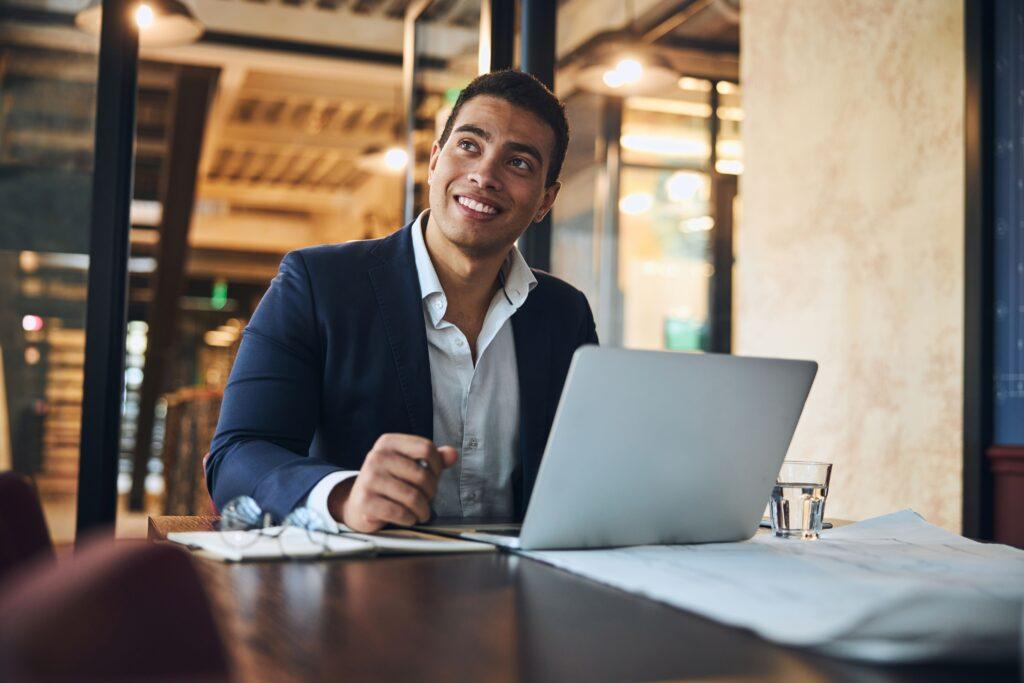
(476, 406)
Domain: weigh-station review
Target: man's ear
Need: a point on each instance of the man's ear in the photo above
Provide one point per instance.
(435, 151)
(547, 202)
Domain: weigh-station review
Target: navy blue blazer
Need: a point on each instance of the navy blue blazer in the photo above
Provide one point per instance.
(336, 355)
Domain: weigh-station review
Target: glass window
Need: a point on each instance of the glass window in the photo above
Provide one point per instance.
(447, 59)
(48, 96)
(730, 115)
(634, 225)
(663, 131)
(664, 275)
(575, 252)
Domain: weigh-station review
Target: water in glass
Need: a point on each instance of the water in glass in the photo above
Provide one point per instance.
(797, 509)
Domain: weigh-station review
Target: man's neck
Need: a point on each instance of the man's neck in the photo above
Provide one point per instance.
(469, 282)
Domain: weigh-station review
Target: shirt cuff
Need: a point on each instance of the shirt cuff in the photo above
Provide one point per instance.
(317, 498)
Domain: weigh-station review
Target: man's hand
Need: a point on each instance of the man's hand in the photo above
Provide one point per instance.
(395, 485)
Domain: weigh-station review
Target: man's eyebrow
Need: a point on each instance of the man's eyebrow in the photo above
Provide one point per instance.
(522, 147)
(475, 130)
(526, 149)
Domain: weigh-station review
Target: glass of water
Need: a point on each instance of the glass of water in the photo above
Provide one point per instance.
(798, 500)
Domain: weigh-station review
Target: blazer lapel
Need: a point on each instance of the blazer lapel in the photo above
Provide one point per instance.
(397, 288)
(532, 358)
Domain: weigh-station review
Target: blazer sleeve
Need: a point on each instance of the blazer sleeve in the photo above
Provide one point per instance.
(588, 330)
(272, 401)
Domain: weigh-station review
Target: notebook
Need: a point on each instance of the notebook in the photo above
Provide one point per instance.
(296, 544)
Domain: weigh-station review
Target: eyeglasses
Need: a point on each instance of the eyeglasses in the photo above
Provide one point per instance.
(243, 524)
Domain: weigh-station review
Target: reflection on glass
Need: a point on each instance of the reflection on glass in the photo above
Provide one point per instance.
(729, 148)
(662, 131)
(46, 138)
(447, 59)
(647, 270)
(574, 249)
(664, 223)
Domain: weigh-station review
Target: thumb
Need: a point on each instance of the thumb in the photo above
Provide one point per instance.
(448, 456)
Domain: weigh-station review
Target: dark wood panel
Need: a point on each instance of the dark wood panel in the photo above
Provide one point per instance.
(488, 617)
(1007, 466)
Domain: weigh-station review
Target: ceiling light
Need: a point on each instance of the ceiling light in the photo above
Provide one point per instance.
(161, 23)
(396, 158)
(391, 161)
(29, 261)
(664, 145)
(31, 323)
(729, 166)
(697, 84)
(698, 224)
(144, 16)
(626, 72)
(645, 73)
(684, 186)
(636, 203)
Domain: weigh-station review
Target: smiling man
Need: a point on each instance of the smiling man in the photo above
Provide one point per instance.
(383, 380)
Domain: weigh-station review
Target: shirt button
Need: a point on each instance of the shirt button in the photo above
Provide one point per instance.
(459, 343)
(471, 497)
(473, 443)
(438, 303)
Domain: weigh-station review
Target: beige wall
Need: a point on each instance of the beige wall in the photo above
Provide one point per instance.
(851, 247)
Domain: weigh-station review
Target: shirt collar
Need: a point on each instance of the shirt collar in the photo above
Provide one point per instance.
(519, 279)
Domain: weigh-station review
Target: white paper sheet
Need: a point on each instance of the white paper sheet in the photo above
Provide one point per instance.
(893, 588)
(244, 546)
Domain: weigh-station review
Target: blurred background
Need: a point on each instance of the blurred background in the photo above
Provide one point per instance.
(748, 176)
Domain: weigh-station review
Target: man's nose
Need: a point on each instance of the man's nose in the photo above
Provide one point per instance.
(485, 174)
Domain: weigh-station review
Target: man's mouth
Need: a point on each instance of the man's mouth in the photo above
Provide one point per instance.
(476, 207)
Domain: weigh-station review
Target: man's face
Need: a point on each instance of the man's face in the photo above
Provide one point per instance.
(487, 182)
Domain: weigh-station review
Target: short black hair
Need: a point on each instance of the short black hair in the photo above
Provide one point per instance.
(526, 92)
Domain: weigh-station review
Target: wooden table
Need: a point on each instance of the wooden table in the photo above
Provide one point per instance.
(488, 617)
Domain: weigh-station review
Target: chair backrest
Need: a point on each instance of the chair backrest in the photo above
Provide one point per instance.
(23, 533)
(192, 414)
(117, 610)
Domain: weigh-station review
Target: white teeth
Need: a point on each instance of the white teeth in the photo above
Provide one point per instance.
(477, 206)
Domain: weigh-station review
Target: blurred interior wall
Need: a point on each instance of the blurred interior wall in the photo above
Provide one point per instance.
(851, 247)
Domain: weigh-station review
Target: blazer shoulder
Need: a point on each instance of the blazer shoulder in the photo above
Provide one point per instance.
(556, 290)
(330, 256)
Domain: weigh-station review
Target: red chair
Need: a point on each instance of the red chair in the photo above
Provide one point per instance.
(116, 611)
(23, 533)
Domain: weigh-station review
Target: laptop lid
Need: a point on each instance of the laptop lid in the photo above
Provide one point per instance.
(663, 447)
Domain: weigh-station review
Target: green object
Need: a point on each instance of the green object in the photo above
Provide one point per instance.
(451, 95)
(682, 334)
(219, 296)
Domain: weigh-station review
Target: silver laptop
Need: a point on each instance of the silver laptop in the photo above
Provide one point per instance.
(652, 447)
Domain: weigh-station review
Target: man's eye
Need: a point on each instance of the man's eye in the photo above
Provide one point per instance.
(520, 163)
(468, 145)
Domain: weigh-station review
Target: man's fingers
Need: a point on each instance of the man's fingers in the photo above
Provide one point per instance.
(406, 495)
(448, 456)
(411, 472)
(386, 511)
(414, 447)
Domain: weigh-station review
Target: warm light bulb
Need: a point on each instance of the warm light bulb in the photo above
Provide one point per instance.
(396, 158)
(683, 186)
(613, 79)
(31, 323)
(630, 70)
(637, 203)
(144, 16)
